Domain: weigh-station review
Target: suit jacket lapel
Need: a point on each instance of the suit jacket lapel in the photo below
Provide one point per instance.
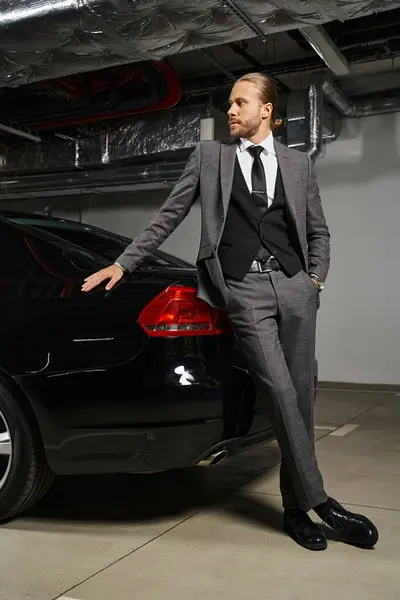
(290, 186)
(288, 180)
(227, 167)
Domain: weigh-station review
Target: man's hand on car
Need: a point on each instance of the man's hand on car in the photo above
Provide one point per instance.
(114, 273)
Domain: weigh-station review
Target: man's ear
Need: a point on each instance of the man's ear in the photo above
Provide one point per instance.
(267, 110)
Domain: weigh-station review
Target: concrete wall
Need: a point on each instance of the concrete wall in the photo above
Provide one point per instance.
(359, 322)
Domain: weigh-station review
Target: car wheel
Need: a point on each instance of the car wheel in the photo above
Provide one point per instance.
(24, 473)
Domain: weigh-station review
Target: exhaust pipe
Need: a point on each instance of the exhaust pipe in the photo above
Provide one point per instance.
(213, 459)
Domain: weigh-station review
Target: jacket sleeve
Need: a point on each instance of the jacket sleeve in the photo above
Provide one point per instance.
(170, 215)
(318, 236)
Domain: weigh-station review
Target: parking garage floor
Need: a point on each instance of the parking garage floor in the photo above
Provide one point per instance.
(215, 533)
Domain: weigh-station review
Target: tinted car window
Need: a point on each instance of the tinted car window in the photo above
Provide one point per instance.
(26, 253)
(104, 243)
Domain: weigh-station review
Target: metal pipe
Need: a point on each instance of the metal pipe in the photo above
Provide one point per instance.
(370, 43)
(141, 176)
(214, 459)
(358, 109)
(19, 133)
(314, 121)
(157, 175)
(127, 139)
(337, 98)
(378, 106)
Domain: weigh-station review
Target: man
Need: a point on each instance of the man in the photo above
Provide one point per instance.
(264, 256)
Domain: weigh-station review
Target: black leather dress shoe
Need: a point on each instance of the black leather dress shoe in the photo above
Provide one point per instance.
(354, 529)
(305, 532)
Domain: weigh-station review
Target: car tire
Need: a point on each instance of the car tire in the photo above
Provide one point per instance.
(25, 476)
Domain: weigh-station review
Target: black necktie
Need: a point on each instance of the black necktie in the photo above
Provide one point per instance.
(258, 181)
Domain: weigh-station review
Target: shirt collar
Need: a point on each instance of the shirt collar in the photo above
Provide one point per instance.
(267, 144)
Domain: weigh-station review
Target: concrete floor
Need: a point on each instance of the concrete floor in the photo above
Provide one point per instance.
(215, 534)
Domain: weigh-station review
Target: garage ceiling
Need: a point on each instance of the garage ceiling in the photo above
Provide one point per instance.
(42, 39)
(78, 78)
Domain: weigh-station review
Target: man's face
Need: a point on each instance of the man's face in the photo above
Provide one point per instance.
(246, 113)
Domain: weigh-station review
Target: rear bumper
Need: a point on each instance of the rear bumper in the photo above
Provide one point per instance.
(144, 450)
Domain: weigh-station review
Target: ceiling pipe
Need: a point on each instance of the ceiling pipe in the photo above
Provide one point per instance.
(133, 177)
(360, 108)
(325, 47)
(19, 133)
(307, 67)
(151, 176)
(130, 140)
(305, 122)
(314, 121)
(337, 98)
(378, 106)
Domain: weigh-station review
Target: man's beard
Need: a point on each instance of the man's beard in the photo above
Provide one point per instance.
(247, 129)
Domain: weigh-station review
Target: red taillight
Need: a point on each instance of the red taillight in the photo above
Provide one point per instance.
(177, 312)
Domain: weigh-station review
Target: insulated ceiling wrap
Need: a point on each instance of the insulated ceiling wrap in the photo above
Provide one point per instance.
(42, 39)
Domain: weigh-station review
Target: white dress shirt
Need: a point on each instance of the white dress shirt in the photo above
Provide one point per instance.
(268, 159)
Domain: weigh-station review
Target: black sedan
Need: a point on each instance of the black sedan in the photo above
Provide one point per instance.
(140, 379)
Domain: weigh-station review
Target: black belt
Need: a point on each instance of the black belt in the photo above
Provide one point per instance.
(264, 267)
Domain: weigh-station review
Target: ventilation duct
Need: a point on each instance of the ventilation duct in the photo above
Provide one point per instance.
(310, 122)
(360, 108)
(99, 163)
(314, 118)
(44, 39)
(141, 138)
(151, 135)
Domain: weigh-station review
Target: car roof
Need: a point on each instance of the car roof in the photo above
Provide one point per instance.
(12, 214)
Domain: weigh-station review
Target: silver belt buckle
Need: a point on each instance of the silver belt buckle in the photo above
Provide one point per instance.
(260, 268)
(266, 269)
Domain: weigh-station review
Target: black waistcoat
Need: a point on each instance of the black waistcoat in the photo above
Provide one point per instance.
(251, 232)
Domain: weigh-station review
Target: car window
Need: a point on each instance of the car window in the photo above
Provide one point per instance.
(27, 253)
(104, 243)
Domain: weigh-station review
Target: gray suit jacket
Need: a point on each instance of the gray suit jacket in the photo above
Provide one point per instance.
(208, 175)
